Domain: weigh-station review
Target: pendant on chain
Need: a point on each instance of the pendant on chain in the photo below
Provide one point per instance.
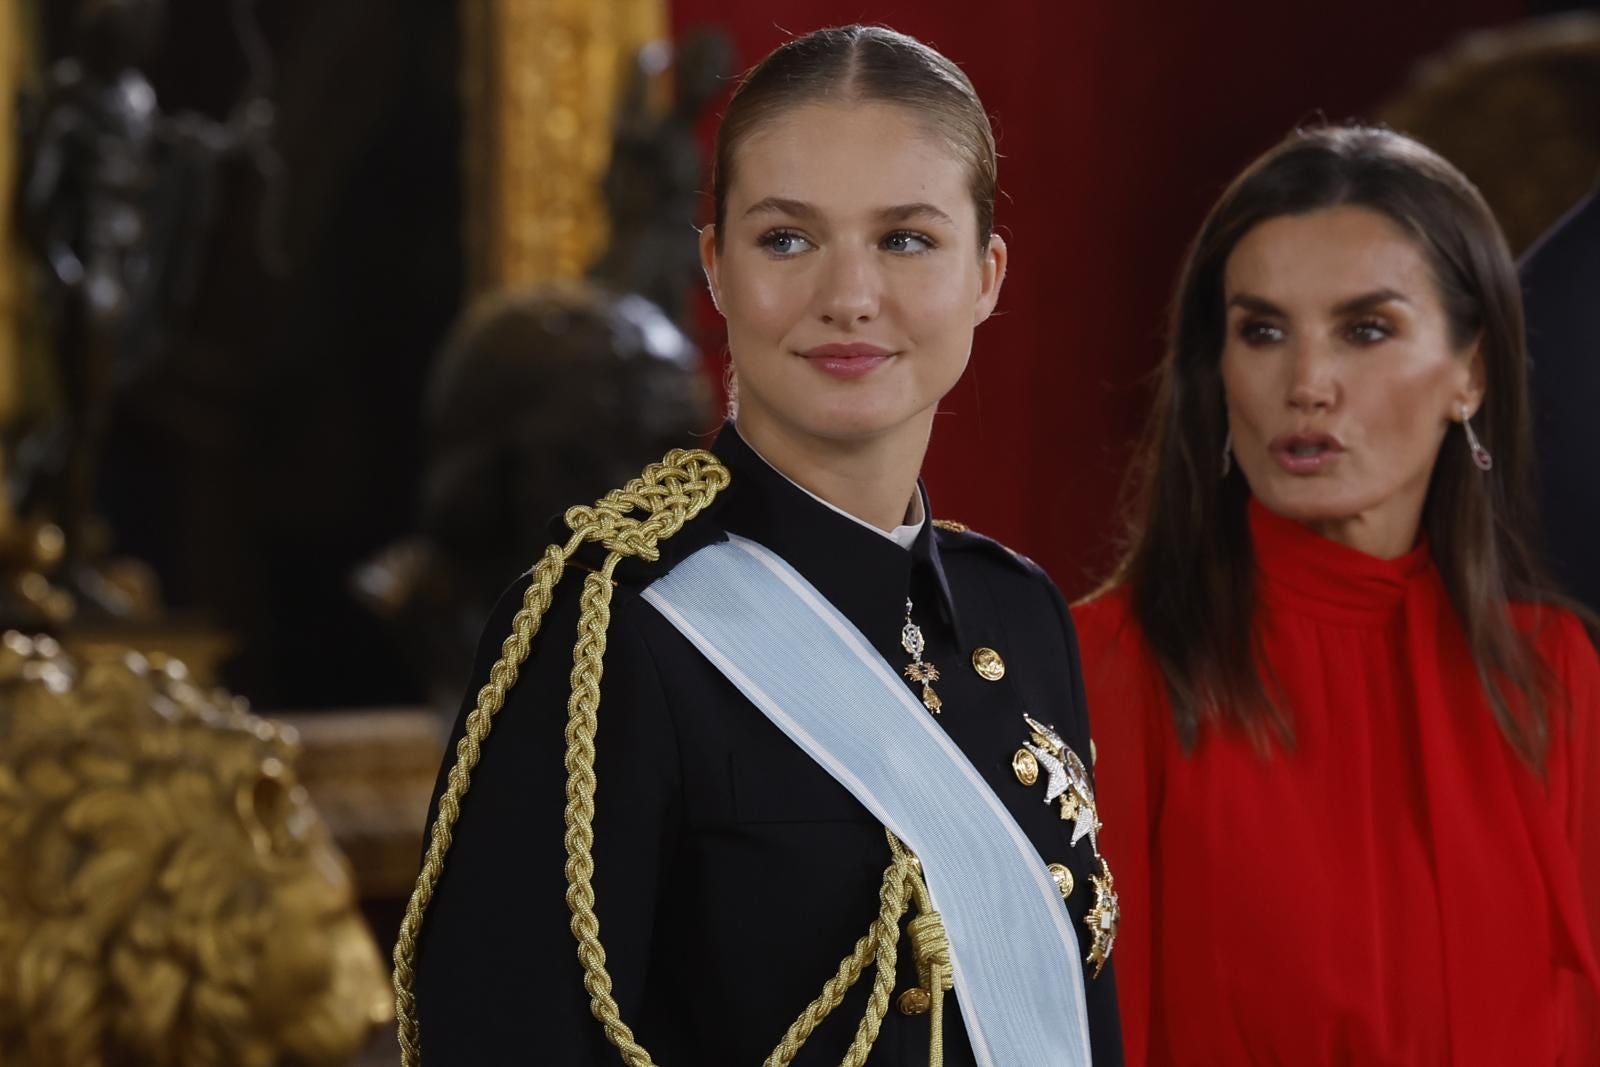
(918, 670)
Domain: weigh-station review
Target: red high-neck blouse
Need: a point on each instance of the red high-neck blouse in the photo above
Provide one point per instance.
(1398, 887)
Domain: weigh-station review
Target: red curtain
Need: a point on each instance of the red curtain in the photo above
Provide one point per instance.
(1118, 125)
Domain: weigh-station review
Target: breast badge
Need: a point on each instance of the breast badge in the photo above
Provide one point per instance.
(1066, 782)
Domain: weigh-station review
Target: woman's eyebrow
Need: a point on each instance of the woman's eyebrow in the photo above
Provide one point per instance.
(781, 205)
(910, 212)
(800, 209)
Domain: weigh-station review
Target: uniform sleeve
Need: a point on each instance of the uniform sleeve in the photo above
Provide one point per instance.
(1124, 698)
(498, 980)
(1581, 686)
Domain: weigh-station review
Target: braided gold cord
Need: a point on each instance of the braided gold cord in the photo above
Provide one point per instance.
(587, 666)
(669, 494)
(901, 872)
(880, 943)
(491, 698)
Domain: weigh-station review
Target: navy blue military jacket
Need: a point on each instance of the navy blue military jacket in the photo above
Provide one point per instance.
(732, 874)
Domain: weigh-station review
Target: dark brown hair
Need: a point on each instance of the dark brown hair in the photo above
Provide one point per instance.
(845, 64)
(1189, 568)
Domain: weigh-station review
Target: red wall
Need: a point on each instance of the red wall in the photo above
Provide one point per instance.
(1117, 124)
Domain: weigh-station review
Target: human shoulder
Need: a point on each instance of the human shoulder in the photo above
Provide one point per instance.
(537, 616)
(1108, 608)
(1562, 640)
(634, 572)
(958, 541)
(1105, 618)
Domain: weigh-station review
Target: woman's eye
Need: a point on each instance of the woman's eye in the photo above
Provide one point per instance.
(906, 241)
(784, 243)
(1259, 333)
(1370, 332)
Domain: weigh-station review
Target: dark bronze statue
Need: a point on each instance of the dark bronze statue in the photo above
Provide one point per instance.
(552, 395)
(113, 197)
(539, 399)
(652, 185)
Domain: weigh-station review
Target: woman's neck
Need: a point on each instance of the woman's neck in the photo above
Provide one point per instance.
(874, 479)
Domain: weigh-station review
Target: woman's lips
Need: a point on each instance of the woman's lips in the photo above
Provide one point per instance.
(1306, 453)
(847, 360)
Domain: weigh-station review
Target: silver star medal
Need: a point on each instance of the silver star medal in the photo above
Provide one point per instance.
(1068, 779)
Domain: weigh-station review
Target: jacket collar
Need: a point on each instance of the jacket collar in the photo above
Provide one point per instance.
(866, 575)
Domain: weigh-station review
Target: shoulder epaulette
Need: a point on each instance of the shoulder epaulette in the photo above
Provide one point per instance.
(967, 537)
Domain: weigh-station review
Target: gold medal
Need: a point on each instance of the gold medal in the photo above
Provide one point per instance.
(919, 671)
(1103, 918)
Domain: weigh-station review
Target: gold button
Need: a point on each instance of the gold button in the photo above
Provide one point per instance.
(1025, 766)
(1063, 879)
(915, 1001)
(988, 664)
(1094, 753)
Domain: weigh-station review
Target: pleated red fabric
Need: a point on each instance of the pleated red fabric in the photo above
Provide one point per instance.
(1396, 887)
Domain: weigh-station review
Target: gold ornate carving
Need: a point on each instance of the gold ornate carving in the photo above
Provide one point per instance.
(541, 80)
(168, 895)
(18, 31)
(13, 34)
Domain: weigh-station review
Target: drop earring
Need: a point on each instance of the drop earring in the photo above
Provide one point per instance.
(1480, 455)
(1227, 453)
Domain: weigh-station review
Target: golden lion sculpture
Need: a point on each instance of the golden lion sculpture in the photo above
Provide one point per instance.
(167, 894)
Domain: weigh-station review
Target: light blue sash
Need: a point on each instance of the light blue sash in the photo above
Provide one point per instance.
(1015, 954)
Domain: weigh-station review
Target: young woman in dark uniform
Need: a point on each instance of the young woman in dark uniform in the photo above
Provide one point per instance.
(671, 846)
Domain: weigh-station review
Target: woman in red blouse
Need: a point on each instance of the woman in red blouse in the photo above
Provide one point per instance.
(1349, 739)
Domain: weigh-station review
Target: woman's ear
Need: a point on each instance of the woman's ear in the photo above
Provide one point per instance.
(708, 263)
(992, 277)
(1469, 395)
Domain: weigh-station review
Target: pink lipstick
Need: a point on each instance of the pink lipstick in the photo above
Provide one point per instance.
(848, 361)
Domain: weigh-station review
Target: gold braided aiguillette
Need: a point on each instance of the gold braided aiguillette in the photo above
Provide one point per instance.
(669, 494)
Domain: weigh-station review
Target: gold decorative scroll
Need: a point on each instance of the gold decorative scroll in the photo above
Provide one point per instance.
(540, 79)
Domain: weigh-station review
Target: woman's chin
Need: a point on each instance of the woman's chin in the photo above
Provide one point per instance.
(1308, 503)
(848, 418)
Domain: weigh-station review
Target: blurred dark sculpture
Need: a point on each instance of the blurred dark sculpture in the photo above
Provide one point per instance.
(538, 399)
(169, 898)
(652, 184)
(548, 396)
(1561, 280)
(114, 198)
(1518, 110)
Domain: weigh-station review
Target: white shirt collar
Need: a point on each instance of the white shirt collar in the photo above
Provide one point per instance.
(904, 535)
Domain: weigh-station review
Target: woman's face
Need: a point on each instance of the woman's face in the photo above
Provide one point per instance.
(849, 273)
(1340, 373)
